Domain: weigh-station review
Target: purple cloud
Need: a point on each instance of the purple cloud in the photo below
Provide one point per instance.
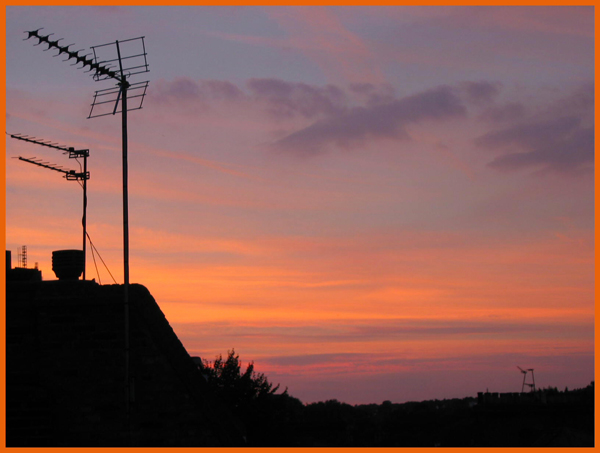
(184, 90)
(378, 329)
(572, 152)
(561, 139)
(220, 89)
(383, 360)
(373, 95)
(379, 121)
(290, 99)
(181, 88)
(504, 113)
(316, 359)
(480, 92)
(530, 135)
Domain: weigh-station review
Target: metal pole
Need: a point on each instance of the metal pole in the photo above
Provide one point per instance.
(84, 220)
(126, 257)
(125, 213)
(124, 85)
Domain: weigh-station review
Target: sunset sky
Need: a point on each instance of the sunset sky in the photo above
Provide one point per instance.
(372, 203)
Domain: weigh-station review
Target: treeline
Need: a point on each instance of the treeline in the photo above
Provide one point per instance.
(273, 418)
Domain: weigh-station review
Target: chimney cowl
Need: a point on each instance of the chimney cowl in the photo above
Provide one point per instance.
(67, 264)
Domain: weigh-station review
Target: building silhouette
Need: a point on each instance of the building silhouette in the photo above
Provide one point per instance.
(65, 372)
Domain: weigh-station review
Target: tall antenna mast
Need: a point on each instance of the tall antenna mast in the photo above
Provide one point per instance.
(130, 57)
(70, 175)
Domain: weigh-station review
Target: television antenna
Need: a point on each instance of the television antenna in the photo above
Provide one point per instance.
(126, 58)
(23, 257)
(69, 175)
(130, 57)
(531, 385)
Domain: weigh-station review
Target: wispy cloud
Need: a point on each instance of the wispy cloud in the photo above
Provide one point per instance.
(320, 34)
(480, 92)
(560, 139)
(192, 96)
(278, 98)
(387, 120)
(404, 330)
(372, 94)
(508, 112)
(289, 99)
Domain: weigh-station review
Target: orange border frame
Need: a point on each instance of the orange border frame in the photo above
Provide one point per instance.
(227, 450)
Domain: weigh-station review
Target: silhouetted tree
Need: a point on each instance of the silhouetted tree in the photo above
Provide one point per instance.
(280, 420)
(269, 417)
(232, 385)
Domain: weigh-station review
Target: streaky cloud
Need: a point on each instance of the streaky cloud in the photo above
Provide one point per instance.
(397, 330)
(560, 139)
(532, 134)
(566, 154)
(291, 99)
(184, 90)
(388, 120)
(511, 111)
(373, 94)
(480, 92)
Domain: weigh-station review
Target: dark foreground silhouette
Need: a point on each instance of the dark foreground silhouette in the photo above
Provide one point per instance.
(66, 382)
(545, 418)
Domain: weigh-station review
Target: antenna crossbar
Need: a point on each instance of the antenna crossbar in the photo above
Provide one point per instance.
(111, 43)
(73, 153)
(26, 138)
(70, 175)
(137, 60)
(111, 97)
(86, 62)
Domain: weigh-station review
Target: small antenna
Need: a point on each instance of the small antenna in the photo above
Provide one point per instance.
(70, 175)
(531, 385)
(73, 153)
(23, 257)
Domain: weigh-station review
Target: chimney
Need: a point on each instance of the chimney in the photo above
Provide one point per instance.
(67, 264)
